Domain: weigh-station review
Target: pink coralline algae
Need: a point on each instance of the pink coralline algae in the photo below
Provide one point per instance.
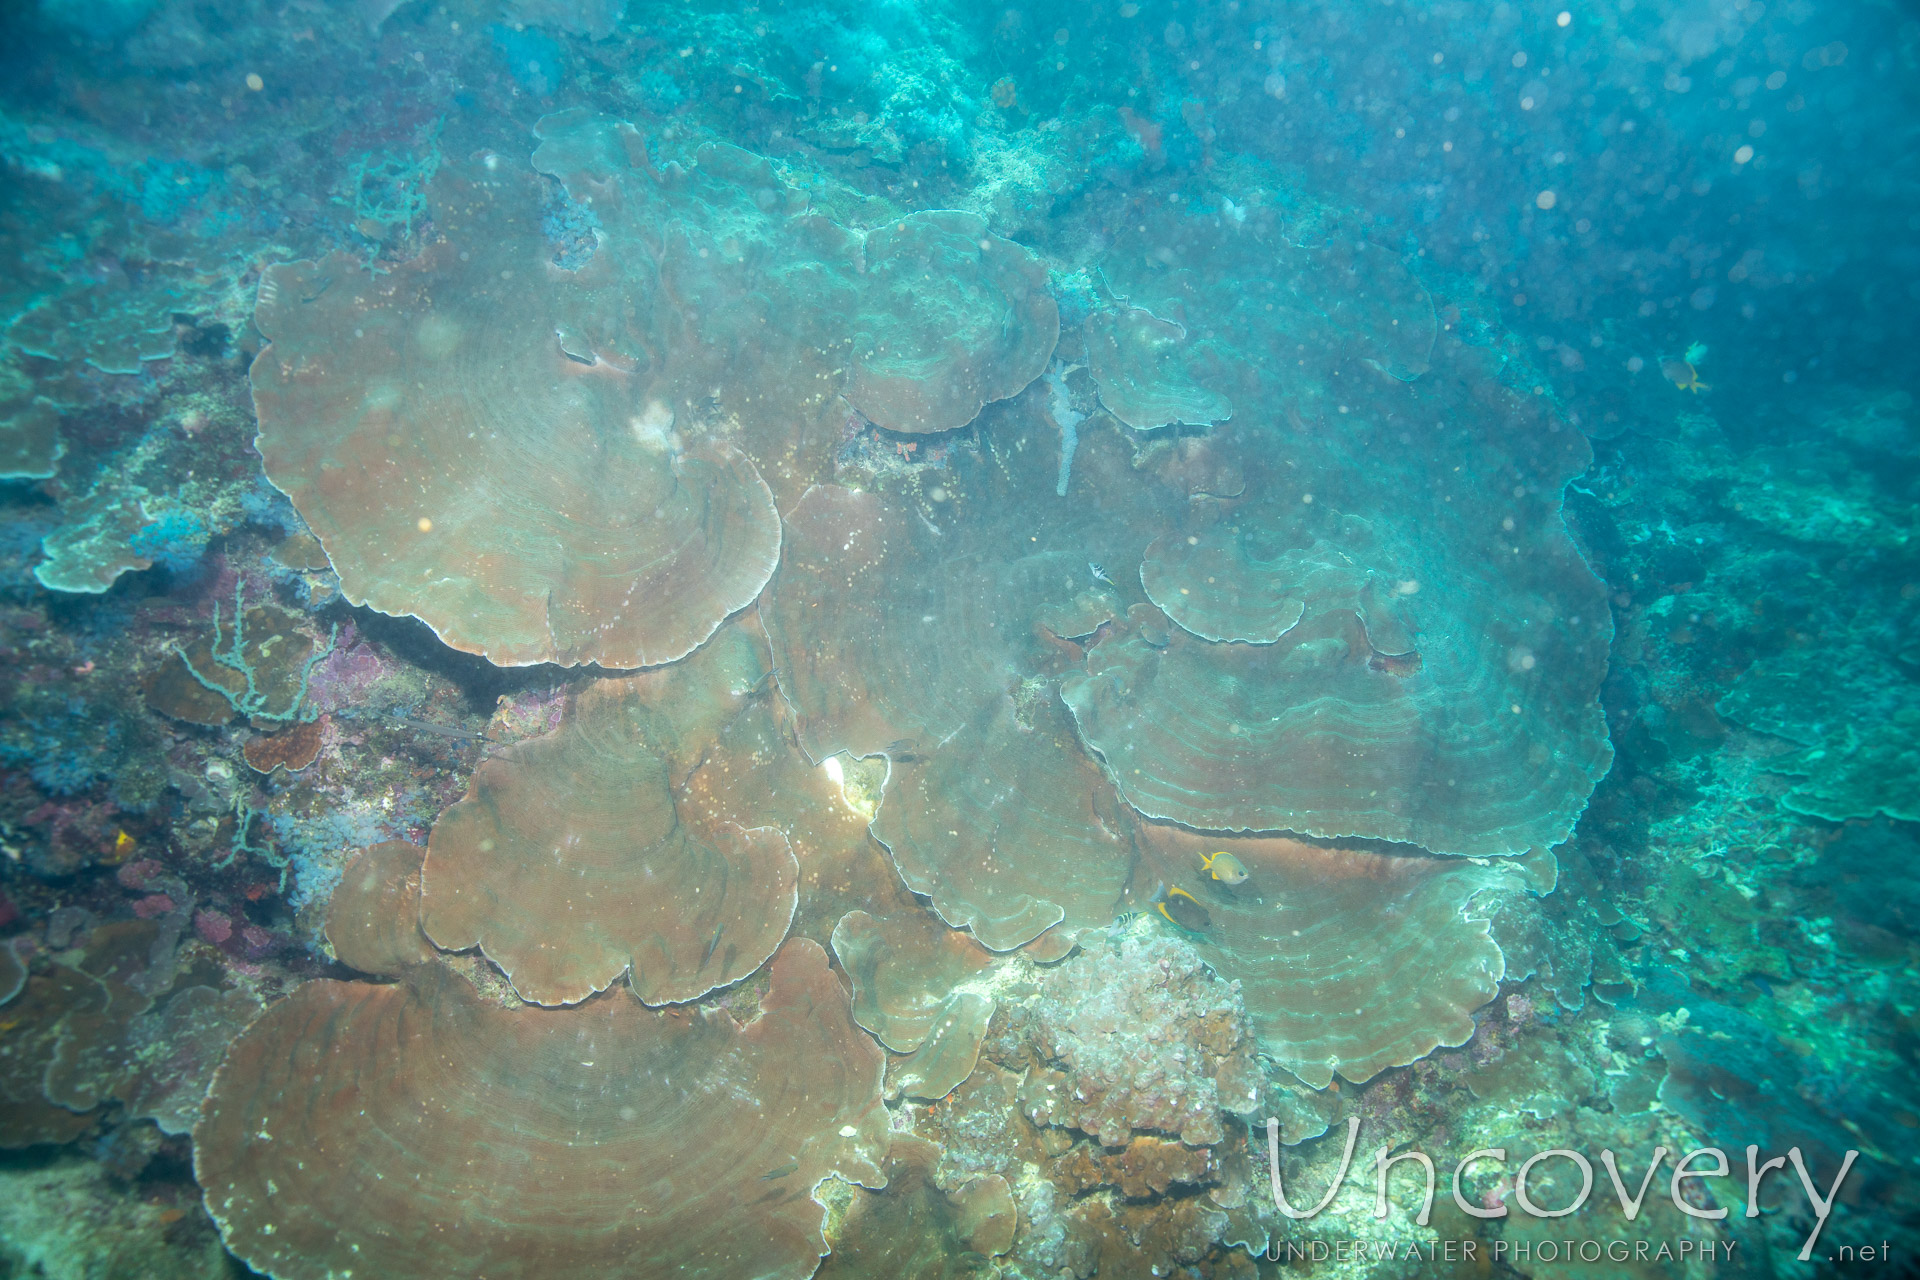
(139, 874)
(154, 904)
(344, 678)
(212, 927)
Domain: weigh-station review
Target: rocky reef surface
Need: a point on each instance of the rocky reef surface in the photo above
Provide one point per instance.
(872, 643)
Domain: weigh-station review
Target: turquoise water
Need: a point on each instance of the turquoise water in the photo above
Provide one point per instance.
(916, 640)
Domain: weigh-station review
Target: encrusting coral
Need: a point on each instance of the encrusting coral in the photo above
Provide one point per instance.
(584, 1119)
(904, 970)
(586, 529)
(1143, 366)
(917, 1228)
(1364, 650)
(1856, 717)
(30, 444)
(577, 836)
(95, 546)
(906, 974)
(373, 917)
(1349, 960)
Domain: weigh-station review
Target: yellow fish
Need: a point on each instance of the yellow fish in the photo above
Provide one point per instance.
(1224, 867)
(1683, 375)
(1183, 909)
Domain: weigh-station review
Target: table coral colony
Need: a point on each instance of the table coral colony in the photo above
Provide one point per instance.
(1339, 602)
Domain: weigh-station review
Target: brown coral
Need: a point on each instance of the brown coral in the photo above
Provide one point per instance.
(417, 1129)
(885, 643)
(103, 1022)
(903, 970)
(951, 317)
(569, 864)
(373, 918)
(1010, 829)
(255, 659)
(947, 1056)
(906, 970)
(1491, 739)
(1238, 579)
(1315, 735)
(1349, 960)
(882, 635)
(1145, 369)
(461, 463)
(1087, 1209)
(1438, 688)
(35, 1019)
(13, 973)
(163, 1064)
(30, 444)
(292, 749)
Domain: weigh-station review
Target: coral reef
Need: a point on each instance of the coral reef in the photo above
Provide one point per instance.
(1858, 720)
(1131, 1035)
(904, 971)
(74, 1218)
(1053, 863)
(1327, 987)
(264, 678)
(1043, 584)
(1224, 736)
(115, 1016)
(948, 1055)
(870, 673)
(95, 546)
(917, 369)
(30, 444)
